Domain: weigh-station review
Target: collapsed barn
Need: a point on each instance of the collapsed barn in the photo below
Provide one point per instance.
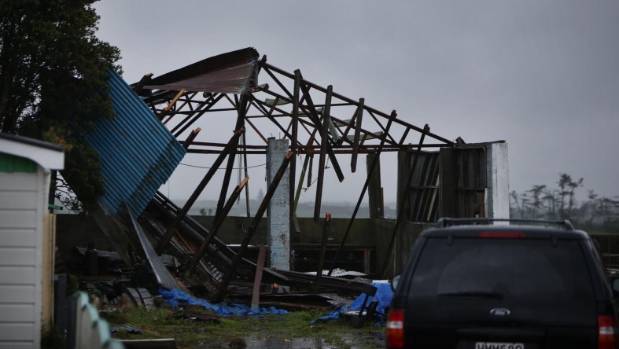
(322, 133)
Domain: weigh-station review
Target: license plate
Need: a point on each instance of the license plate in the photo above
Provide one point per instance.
(498, 345)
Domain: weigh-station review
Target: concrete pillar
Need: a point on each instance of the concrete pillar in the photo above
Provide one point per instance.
(278, 221)
(497, 194)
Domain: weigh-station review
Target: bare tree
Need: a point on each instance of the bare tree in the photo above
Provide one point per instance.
(567, 189)
(536, 192)
(65, 195)
(525, 207)
(572, 188)
(551, 197)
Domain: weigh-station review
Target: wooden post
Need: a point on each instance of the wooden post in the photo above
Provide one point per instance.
(255, 295)
(324, 143)
(47, 268)
(375, 190)
(323, 244)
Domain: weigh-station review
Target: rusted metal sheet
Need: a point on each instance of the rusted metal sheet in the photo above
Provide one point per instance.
(232, 72)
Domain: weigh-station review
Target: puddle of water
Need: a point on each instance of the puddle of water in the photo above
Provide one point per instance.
(343, 341)
(349, 342)
(293, 343)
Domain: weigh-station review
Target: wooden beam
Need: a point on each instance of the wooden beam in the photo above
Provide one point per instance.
(217, 222)
(355, 147)
(273, 68)
(322, 159)
(171, 230)
(190, 138)
(172, 103)
(240, 122)
(293, 146)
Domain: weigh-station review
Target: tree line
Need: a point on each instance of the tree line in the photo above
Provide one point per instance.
(542, 201)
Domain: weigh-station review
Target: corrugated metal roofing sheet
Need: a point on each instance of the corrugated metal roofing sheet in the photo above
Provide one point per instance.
(137, 153)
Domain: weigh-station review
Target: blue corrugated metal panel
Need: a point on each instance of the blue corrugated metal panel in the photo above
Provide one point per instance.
(137, 152)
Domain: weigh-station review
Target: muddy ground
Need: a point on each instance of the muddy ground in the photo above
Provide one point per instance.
(292, 330)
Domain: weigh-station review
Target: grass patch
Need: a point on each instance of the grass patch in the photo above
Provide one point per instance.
(234, 331)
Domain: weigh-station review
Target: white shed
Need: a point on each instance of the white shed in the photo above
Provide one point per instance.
(25, 241)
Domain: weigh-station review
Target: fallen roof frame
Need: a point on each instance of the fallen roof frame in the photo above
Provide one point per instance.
(287, 101)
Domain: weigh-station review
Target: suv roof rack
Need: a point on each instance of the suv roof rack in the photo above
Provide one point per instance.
(447, 222)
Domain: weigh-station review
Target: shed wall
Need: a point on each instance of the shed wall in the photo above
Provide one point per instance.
(22, 207)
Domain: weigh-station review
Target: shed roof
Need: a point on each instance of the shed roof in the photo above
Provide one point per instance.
(47, 155)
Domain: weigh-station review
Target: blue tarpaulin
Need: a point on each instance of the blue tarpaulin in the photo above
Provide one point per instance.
(383, 297)
(177, 297)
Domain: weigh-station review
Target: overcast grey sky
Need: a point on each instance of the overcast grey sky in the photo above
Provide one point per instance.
(542, 75)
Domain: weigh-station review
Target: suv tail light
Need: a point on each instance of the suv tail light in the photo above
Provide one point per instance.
(606, 332)
(395, 329)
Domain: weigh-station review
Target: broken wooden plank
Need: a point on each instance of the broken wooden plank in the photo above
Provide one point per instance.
(255, 295)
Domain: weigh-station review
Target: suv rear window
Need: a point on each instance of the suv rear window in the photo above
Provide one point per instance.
(538, 281)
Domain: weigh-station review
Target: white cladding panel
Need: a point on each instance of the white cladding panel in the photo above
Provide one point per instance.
(23, 203)
(17, 293)
(16, 181)
(16, 332)
(17, 313)
(18, 200)
(18, 218)
(17, 275)
(16, 345)
(18, 256)
(18, 237)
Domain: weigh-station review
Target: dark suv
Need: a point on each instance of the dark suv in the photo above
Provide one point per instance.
(477, 284)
